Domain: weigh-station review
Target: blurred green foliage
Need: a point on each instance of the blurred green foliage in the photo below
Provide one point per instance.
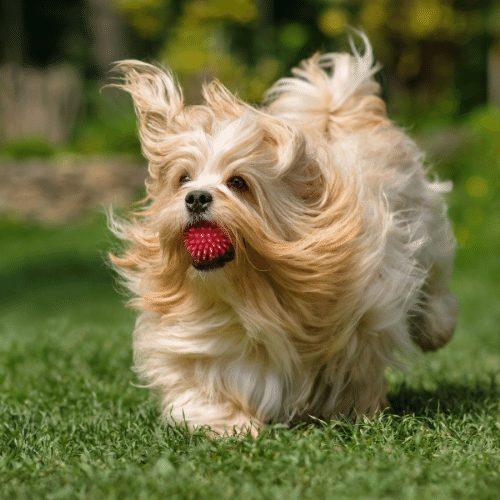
(146, 17)
(108, 124)
(427, 46)
(28, 147)
(434, 53)
(475, 171)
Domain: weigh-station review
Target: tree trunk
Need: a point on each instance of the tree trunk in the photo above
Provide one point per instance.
(494, 74)
(108, 37)
(11, 24)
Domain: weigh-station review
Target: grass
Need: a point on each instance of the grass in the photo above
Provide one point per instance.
(73, 425)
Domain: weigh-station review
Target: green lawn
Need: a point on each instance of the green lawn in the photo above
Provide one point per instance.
(73, 425)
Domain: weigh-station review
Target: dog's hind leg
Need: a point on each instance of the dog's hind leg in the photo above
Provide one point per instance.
(433, 323)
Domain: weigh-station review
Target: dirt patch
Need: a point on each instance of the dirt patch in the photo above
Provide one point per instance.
(61, 190)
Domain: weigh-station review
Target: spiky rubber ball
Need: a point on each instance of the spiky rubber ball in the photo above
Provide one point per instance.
(208, 245)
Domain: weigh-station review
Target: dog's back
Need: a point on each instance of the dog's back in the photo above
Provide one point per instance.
(335, 96)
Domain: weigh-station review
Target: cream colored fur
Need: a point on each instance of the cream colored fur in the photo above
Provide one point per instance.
(343, 248)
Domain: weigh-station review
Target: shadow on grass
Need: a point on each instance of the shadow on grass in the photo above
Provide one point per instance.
(456, 399)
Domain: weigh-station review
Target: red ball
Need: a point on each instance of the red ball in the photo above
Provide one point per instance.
(205, 241)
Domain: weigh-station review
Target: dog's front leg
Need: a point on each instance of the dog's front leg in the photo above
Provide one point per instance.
(223, 418)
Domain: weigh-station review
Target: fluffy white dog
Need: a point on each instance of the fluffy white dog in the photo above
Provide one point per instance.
(284, 256)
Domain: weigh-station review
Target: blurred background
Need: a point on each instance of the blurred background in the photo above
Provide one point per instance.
(67, 147)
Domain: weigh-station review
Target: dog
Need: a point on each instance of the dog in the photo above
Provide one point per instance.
(285, 255)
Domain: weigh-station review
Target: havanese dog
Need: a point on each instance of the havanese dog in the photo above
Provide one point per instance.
(285, 255)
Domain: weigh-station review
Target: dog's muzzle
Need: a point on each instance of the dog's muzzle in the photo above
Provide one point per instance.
(198, 201)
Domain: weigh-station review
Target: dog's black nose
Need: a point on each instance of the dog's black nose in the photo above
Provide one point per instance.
(198, 201)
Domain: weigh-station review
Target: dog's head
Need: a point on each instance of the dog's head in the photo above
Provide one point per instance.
(228, 183)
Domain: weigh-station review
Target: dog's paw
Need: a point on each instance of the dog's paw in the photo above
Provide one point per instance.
(438, 322)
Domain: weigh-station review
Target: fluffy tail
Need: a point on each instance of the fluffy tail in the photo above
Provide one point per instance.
(331, 92)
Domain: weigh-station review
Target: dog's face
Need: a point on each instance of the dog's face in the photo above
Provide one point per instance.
(224, 185)
(226, 181)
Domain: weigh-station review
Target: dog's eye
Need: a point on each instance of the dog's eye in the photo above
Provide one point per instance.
(184, 179)
(237, 182)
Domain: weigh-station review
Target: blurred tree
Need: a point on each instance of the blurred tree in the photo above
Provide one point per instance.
(148, 18)
(440, 57)
(494, 56)
(12, 34)
(108, 42)
(201, 39)
(431, 46)
(204, 44)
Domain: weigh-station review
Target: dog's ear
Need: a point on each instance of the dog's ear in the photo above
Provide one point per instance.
(288, 142)
(157, 98)
(298, 169)
(222, 101)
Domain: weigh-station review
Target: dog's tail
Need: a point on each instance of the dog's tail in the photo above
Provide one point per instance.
(330, 92)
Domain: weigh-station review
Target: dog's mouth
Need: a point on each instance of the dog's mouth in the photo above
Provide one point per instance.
(208, 245)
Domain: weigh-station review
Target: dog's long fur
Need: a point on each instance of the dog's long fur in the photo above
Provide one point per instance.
(343, 249)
